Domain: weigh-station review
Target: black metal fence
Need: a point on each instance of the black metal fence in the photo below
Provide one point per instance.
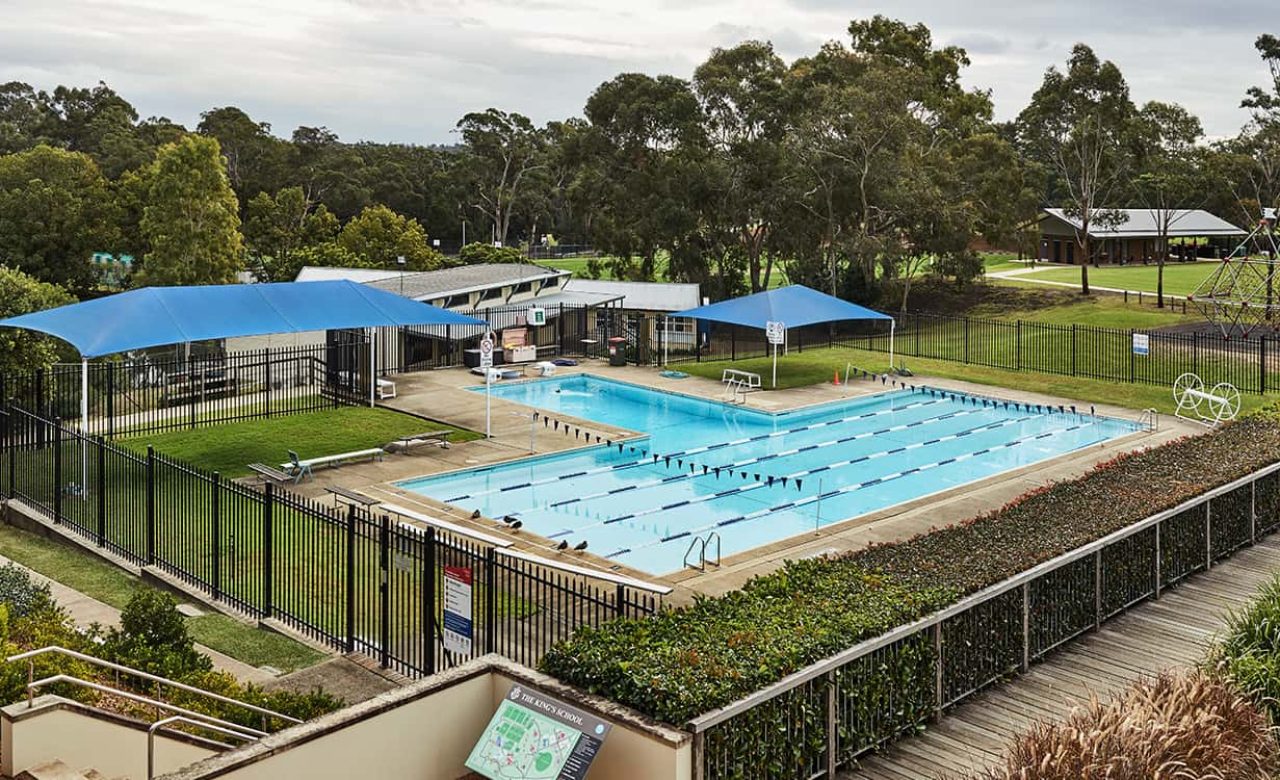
(824, 716)
(355, 579)
(1251, 364)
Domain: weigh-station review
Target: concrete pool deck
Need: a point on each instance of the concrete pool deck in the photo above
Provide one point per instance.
(442, 395)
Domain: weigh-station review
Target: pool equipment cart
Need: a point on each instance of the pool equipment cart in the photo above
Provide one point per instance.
(1207, 407)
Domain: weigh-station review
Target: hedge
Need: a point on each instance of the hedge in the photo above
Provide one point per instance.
(684, 662)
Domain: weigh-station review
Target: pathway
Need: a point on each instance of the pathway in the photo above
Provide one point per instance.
(86, 610)
(1156, 635)
(1028, 275)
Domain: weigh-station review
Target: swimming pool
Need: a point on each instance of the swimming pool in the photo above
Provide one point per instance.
(751, 476)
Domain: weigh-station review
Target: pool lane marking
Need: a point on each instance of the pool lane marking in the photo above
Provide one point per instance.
(757, 484)
(694, 451)
(782, 454)
(847, 489)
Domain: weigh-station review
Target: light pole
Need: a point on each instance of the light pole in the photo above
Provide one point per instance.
(400, 262)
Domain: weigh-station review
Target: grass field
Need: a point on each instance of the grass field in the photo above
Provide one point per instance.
(816, 366)
(1179, 278)
(230, 447)
(110, 585)
(1099, 311)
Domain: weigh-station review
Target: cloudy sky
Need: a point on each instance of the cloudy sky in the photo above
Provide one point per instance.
(405, 70)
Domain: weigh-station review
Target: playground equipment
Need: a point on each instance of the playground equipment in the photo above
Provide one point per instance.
(1241, 296)
(1207, 407)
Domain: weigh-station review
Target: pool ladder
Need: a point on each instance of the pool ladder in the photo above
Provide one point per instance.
(702, 544)
(1150, 419)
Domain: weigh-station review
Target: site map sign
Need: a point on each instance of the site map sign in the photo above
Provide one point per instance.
(535, 737)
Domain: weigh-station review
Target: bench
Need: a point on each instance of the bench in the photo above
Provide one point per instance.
(439, 437)
(267, 472)
(351, 495)
(386, 389)
(297, 469)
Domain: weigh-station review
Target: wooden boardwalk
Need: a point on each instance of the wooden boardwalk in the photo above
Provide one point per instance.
(1155, 635)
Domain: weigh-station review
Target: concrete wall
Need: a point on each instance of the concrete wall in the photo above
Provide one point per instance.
(82, 738)
(426, 731)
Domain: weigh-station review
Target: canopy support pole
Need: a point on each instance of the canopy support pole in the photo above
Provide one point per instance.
(373, 379)
(84, 428)
(892, 325)
(666, 338)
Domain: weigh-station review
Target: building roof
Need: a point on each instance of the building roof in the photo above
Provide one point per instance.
(155, 316)
(566, 297)
(464, 279)
(1143, 223)
(316, 273)
(641, 296)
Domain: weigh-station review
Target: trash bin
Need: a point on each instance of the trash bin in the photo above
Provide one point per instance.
(618, 351)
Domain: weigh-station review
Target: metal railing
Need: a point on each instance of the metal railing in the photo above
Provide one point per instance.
(32, 684)
(823, 716)
(235, 733)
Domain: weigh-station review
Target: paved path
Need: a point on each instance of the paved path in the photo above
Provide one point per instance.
(1173, 631)
(1028, 275)
(85, 610)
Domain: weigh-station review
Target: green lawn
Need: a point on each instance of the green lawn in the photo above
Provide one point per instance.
(1099, 311)
(1179, 278)
(229, 448)
(106, 583)
(800, 369)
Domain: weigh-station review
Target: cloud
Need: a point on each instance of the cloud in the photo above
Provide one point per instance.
(406, 70)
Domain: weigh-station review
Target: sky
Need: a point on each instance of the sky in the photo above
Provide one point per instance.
(407, 70)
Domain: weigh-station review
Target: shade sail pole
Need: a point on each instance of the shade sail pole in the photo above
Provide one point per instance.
(84, 427)
(373, 380)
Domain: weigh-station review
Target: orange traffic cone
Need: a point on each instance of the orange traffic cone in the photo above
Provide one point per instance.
(835, 378)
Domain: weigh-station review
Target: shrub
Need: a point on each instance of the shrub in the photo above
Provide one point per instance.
(1185, 725)
(1248, 652)
(153, 637)
(685, 662)
(20, 594)
(478, 252)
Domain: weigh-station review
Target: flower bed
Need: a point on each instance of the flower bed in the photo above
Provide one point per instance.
(686, 662)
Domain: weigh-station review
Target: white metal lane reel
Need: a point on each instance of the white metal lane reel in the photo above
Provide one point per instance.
(1208, 407)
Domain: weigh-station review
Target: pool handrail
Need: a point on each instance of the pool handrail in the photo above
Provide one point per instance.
(444, 525)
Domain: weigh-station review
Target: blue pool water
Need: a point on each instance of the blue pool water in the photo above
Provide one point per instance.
(751, 476)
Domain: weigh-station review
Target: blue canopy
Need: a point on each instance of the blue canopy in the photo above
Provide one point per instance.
(155, 316)
(795, 306)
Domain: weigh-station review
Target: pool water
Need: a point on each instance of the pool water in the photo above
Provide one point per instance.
(752, 477)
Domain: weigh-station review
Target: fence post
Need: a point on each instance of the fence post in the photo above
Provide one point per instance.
(1253, 511)
(57, 471)
(1026, 626)
(937, 677)
(1195, 351)
(11, 442)
(151, 505)
(215, 488)
(1133, 374)
(102, 491)
(733, 343)
(833, 731)
(268, 540)
(266, 367)
(1073, 349)
(1097, 590)
(1262, 364)
(1208, 536)
(429, 601)
(1158, 577)
(351, 578)
(966, 340)
(111, 398)
(384, 592)
(490, 599)
(1017, 346)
